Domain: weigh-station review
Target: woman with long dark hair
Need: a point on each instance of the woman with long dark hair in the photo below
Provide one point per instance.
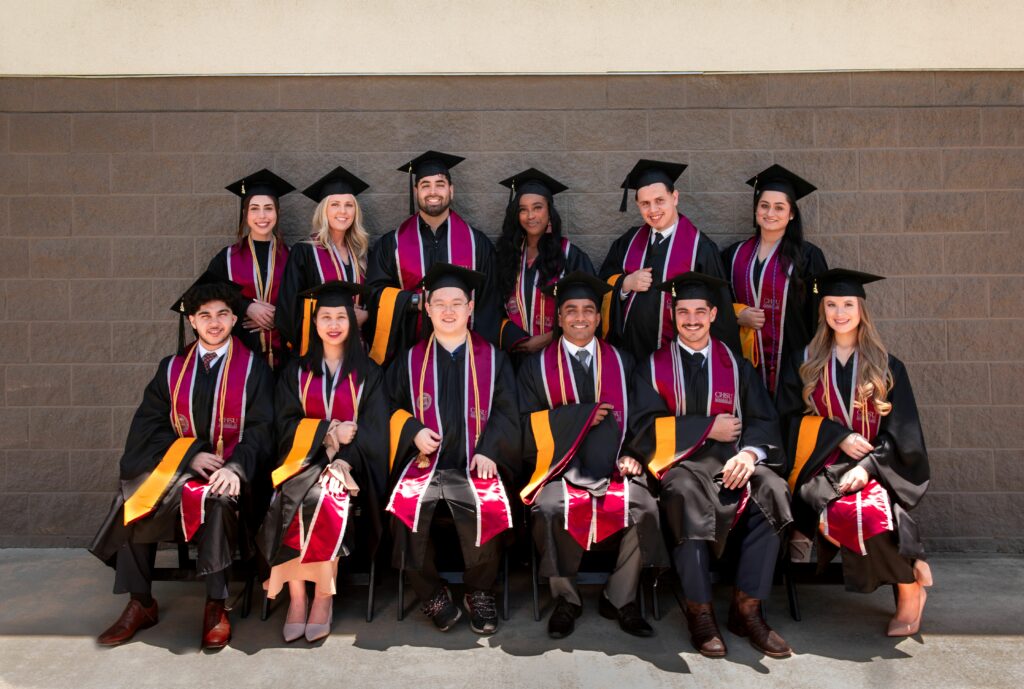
(256, 262)
(532, 253)
(771, 274)
(332, 427)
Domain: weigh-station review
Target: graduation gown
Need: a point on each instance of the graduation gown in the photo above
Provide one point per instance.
(221, 266)
(676, 447)
(152, 437)
(303, 458)
(395, 325)
(582, 457)
(528, 312)
(499, 440)
(899, 463)
(637, 331)
(799, 316)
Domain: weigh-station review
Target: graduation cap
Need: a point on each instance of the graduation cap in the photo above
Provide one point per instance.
(426, 164)
(337, 181)
(261, 183)
(532, 181)
(206, 279)
(647, 172)
(335, 293)
(578, 285)
(442, 275)
(840, 282)
(778, 178)
(694, 285)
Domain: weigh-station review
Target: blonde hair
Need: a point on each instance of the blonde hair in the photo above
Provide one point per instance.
(874, 378)
(357, 239)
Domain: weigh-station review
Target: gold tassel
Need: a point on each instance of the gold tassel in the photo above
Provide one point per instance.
(220, 447)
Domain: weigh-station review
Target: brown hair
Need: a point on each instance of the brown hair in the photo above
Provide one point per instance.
(243, 224)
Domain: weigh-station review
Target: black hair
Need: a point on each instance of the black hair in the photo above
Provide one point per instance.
(550, 260)
(353, 355)
(792, 244)
(198, 295)
(668, 185)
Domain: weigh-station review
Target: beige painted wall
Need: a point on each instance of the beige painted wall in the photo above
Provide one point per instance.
(119, 37)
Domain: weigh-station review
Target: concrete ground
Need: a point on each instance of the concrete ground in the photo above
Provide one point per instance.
(55, 602)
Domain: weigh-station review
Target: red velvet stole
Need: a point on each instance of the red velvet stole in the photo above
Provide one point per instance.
(243, 270)
(682, 257)
(543, 306)
(330, 267)
(769, 293)
(493, 514)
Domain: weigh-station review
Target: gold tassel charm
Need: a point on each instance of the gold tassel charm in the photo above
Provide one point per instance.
(220, 447)
(422, 461)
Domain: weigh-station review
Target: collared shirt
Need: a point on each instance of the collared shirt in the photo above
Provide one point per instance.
(203, 351)
(666, 233)
(590, 347)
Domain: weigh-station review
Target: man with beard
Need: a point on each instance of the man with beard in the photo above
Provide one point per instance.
(400, 259)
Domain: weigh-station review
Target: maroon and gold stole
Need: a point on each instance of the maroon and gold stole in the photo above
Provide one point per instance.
(853, 518)
(542, 318)
(682, 257)
(244, 270)
(588, 519)
(493, 514)
(769, 293)
(329, 267)
(667, 374)
(319, 540)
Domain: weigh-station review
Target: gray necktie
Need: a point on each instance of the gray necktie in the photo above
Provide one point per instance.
(583, 356)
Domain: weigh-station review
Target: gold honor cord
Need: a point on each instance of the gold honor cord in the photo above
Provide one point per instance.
(597, 369)
(223, 396)
(174, 393)
(421, 461)
(263, 292)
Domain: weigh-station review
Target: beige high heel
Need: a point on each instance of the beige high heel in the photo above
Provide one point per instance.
(315, 632)
(922, 573)
(293, 631)
(899, 628)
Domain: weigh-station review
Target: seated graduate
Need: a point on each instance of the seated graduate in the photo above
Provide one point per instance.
(859, 458)
(332, 428)
(455, 448)
(203, 431)
(575, 403)
(532, 253)
(713, 442)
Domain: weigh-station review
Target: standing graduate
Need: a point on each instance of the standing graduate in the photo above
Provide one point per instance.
(713, 442)
(203, 431)
(771, 275)
(336, 250)
(532, 254)
(332, 414)
(575, 402)
(401, 258)
(637, 317)
(859, 459)
(256, 262)
(455, 448)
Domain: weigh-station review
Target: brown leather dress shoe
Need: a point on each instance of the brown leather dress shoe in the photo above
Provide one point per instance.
(135, 616)
(704, 633)
(746, 620)
(216, 625)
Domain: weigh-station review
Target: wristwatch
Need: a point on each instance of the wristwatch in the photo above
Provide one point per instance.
(414, 301)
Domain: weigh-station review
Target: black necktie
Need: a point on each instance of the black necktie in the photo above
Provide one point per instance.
(696, 381)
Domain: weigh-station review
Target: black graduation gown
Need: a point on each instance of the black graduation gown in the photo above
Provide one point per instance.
(510, 333)
(694, 504)
(151, 435)
(382, 271)
(899, 463)
(639, 335)
(590, 467)
(219, 267)
(802, 312)
(300, 274)
(367, 453)
(500, 441)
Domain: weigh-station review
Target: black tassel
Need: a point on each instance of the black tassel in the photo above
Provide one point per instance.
(412, 193)
(625, 197)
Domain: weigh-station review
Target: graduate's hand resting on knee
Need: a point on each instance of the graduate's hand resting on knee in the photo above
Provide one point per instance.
(225, 482)
(206, 463)
(855, 446)
(853, 480)
(738, 470)
(629, 466)
(602, 411)
(751, 318)
(638, 281)
(427, 441)
(726, 428)
(484, 467)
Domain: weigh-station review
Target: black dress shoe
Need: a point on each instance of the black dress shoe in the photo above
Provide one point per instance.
(629, 617)
(563, 619)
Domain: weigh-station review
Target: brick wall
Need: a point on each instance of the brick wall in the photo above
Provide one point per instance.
(111, 199)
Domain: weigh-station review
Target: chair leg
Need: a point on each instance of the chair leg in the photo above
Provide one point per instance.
(504, 589)
(372, 590)
(265, 608)
(247, 595)
(655, 604)
(794, 601)
(643, 600)
(401, 589)
(535, 580)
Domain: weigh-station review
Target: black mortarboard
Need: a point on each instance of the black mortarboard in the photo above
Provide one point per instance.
(449, 275)
(578, 285)
(532, 181)
(426, 164)
(207, 278)
(650, 172)
(840, 282)
(263, 182)
(335, 293)
(778, 178)
(337, 181)
(694, 285)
